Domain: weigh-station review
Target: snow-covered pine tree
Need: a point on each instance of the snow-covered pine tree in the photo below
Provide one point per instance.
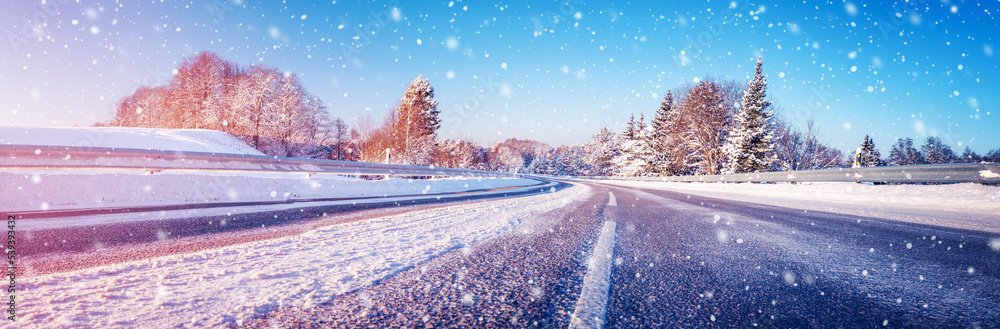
(636, 153)
(543, 164)
(663, 163)
(572, 161)
(970, 156)
(416, 125)
(630, 129)
(935, 151)
(869, 156)
(663, 118)
(903, 153)
(649, 148)
(646, 154)
(992, 156)
(620, 160)
(750, 144)
(600, 152)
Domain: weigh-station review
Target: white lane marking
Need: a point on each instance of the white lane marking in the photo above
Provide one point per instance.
(612, 202)
(593, 302)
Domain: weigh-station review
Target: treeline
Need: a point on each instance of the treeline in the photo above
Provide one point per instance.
(933, 151)
(712, 127)
(272, 112)
(269, 110)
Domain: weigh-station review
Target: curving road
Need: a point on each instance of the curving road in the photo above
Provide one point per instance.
(688, 261)
(65, 240)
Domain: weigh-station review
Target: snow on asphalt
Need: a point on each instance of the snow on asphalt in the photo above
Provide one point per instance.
(228, 285)
(593, 303)
(967, 206)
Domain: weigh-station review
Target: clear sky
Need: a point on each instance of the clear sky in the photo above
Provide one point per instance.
(554, 71)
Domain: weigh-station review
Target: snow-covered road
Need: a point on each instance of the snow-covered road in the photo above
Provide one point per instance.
(682, 259)
(229, 285)
(688, 261)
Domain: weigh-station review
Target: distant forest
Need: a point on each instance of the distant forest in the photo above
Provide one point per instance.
(714, 126)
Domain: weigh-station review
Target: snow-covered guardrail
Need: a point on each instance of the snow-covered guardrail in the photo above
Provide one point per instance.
(940, 173)
(33, 158)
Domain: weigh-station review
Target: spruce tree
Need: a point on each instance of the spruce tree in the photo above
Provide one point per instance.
(750, 142)
(661, 121)
(630, 131)
(869, 156)
(903, 153)
(992, 156)
(662, 162)
(623, 160)
(936, 151)
(636, 154)
(601, 151)
(970, 156)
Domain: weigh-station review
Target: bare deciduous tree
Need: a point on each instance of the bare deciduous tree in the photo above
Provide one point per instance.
(268, 110)
(340, 137)
(144, 108)
(197, 90)
(704, 120)
(797, 150)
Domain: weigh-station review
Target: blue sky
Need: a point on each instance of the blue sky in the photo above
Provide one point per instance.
(554, 71)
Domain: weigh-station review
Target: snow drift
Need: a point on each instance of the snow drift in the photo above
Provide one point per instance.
(190, 140)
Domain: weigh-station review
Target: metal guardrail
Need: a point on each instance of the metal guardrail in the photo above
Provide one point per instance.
(28, 158)
(940, 173)
(57, 158)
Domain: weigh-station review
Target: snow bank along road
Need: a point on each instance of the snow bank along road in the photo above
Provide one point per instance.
(591, 255)
(687, 261)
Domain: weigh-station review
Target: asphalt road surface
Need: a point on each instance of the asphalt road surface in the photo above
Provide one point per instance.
(688, 261)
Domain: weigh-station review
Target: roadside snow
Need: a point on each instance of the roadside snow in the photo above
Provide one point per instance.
(190, 140)
(103, 219)
(30, 191)
(228, 285)
(967, 206)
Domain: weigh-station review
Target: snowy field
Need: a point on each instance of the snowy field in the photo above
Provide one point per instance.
(228, 285)
(967, 206)
(190, 140)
